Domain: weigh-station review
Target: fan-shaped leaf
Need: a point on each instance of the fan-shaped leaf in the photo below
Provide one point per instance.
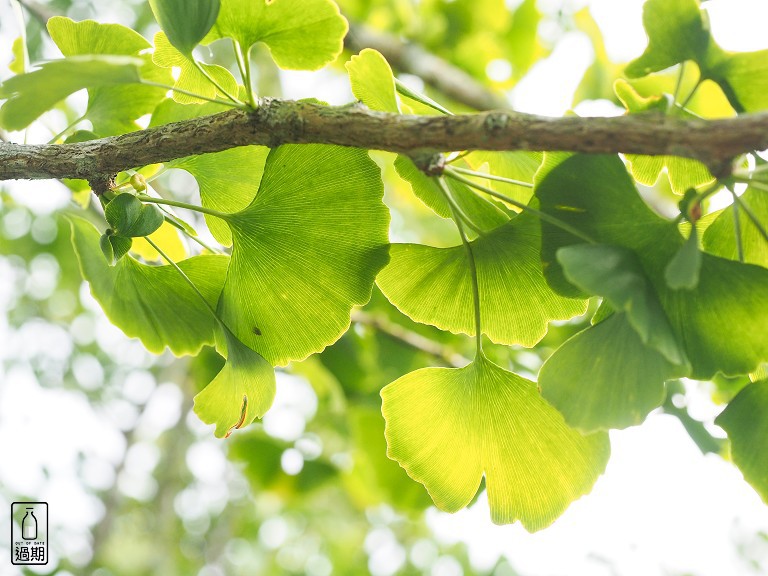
(305, 251)
(152, 303)
(372, 81)
(720, 237)
(447, 427)
(433, 285)
(129, 217)
(606, 377)
(300, 34)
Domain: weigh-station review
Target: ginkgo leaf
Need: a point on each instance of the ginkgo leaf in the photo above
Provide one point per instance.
(190, 78)
(448, 427)
(616, 274)
(114, 247)
(720, 323)
(29, 95)
(745, 419)
(606, 377)
(185, 23)
(483, 213)
(433, 285)
(228, 182)
(372, 81)
(152, 303)
(166, 238)
(111, 109)
(519, 166)
(129, 217)
(720, 237)
(743, 77)
(242, 391)
(301, 35)
(305, 251)
(676, 32)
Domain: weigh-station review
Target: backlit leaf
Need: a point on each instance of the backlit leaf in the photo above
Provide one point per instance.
(448, 427)
(152, 303)
(30, 95)
(305, 251)
(720, 237)
(606, 377)
(433, 285)
(300, 34)
(372, 81)
(745, 420)
(720, 324)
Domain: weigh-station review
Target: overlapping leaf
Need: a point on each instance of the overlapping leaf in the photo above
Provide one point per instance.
(449, 427)
(305, 251)
(720, 324)
(745, 420)
(433, 285)
(152, 303)
(111, 109)
(605, 376)
(300, 34)
(30, 95)
(190, 78)
(720, 237)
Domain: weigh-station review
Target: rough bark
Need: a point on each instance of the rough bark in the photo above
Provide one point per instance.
(275, 122)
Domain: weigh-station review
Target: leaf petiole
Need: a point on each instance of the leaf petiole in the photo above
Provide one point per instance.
(244, 64)
(456, 210)
(187, 278)
(451, 173)
(472, 266)
(233, 104)
(213, 81)
(177, 204)
(491, 177)
(421, 98)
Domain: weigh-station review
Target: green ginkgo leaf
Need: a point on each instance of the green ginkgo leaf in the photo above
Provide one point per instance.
(720, 237)
(152, 303)
(19, 64)
(616, 274)
(448, 427)
(112, 109)
(190, 78)
(242, 391)
(185, 23)
(305, 251)
(129, 217)
(606, 377)
(720, 324)
(433, 285)
(745, 420)
(677, 31)
(30, 95)
(372, 81)
(300, 34)
(743, 77)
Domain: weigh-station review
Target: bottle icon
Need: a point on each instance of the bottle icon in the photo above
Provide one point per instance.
(29, 525)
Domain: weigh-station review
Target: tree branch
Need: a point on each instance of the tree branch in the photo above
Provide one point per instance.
(276, 122)
(413, 59)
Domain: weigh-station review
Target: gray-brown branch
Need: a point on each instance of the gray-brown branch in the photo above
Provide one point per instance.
(714, 142)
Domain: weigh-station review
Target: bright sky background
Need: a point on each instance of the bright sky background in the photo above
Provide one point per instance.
(661, 508)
